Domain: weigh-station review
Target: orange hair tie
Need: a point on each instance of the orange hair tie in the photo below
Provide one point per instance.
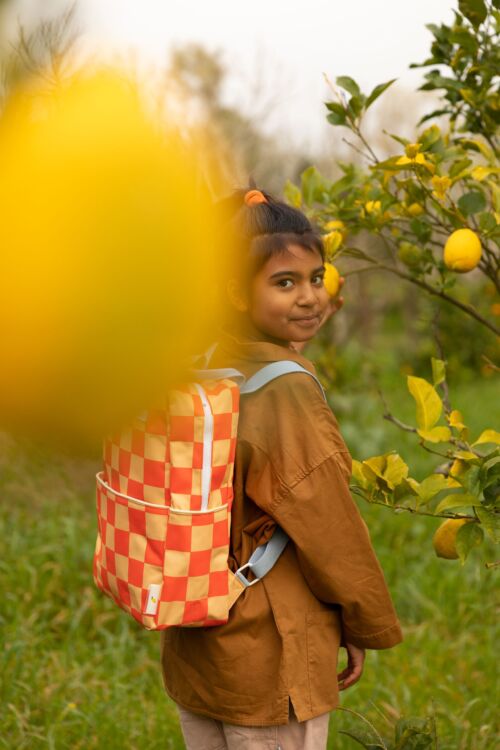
(253, 197)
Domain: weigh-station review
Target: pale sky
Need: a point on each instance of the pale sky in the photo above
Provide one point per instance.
(283, 47)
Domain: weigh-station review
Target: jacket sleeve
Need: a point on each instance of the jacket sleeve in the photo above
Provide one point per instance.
(304, 487)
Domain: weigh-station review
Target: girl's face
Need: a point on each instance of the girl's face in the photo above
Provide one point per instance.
(287, 298)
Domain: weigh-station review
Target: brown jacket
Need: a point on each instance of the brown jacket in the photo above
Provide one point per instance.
(282, 639)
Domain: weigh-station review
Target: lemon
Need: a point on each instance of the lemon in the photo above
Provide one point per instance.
(409, 254)
(462, 250)
(331, 279)
(415, 209)
(444, 540)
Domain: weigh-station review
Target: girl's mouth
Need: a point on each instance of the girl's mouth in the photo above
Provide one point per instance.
(306, 320)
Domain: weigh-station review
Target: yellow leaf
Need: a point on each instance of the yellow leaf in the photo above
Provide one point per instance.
(479, 173)
(436, 434)
(429, 405)
(455, 419)
(465, 455)
(395, 471)
(374, 467)
(488, 436)
(358, 474)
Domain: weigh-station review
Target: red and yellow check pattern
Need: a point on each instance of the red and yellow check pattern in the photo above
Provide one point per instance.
(151, 529)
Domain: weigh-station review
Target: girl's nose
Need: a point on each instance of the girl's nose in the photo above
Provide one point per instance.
(307, 295)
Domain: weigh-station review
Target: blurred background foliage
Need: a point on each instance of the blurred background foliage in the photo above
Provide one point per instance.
(78, 674)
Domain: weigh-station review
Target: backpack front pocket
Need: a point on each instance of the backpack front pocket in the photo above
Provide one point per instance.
(164, 567)
(196, 575)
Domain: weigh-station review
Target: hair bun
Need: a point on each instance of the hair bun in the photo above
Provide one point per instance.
(254, 197)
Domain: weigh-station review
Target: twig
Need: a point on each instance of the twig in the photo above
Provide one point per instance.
(467, 309)
(488, 361)
(358, 150)
(439, 347)
(490, 565)
(416, 511)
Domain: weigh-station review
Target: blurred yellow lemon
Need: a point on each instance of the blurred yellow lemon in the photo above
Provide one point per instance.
(331, 279)
(108, 257)
(445, 538)
(409, 254)
(415, 209)
(462, 251)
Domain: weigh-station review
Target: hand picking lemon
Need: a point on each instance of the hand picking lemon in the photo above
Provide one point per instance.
(445, 538)
(331, 279)
(462, 251)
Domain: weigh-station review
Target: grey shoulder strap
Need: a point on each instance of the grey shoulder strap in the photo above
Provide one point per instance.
(264, 557)
(271, 372)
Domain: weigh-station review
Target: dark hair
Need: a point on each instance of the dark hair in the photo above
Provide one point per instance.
(259, 231)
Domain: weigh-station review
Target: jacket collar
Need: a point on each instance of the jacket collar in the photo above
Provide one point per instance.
(238, 348)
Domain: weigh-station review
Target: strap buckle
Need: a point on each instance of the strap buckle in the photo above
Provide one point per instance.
(241, 577)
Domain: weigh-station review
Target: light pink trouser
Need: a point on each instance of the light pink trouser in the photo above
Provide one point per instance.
(202, 733)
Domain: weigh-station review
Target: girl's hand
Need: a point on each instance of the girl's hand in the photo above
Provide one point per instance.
(354, 669)
(334, 305)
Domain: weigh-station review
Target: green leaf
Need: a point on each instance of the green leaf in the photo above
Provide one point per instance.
(487, 222)
(292, 194)
(488, 436)
(469, 535)
(335, 118)
(474, 10)
(471, 203)
(429, 137)
(459, 166)
(421, 229)
(338, 113)
(349, 84)
(429, 405)
(436, 434)
(377, 91)
(457, 500)
(438, 370)
(490, 521)
(414, 734)
(362, 738)
(430, 487)
(355, 106)
(313, 185)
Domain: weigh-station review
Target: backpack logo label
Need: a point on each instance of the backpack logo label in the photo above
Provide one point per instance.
(154, 591)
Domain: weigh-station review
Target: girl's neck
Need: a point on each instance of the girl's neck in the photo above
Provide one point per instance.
(243, 326)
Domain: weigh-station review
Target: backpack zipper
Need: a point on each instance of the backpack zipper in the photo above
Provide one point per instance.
(208, 437)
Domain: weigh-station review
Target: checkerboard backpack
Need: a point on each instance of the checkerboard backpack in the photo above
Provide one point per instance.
(164, 505)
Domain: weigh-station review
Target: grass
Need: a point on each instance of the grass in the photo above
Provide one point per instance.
(76, 673)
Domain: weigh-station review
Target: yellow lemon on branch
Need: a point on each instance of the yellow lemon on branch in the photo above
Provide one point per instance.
(331, 279)
(462, 251)
(444, 540)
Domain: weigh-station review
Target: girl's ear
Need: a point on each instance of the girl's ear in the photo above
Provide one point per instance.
(237, 297)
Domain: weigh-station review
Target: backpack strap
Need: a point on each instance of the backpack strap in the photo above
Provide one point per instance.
(266, 555)
(271, 372)
(264, 558)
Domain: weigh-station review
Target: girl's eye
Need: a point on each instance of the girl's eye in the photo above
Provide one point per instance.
(318, 279)
(284, 282)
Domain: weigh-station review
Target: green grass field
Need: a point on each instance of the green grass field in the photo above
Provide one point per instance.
(76, 673)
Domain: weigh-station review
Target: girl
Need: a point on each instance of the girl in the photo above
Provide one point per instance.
(267, 678)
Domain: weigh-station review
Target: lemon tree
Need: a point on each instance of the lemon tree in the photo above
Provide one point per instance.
(434, 206)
